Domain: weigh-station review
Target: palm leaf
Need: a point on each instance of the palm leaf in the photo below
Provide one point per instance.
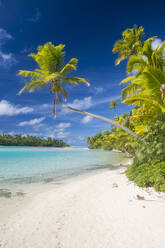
(75, 80)
(130, 90)
(32, 74)
(32, 85)
(140, 100)
(49, 58)
(136, 63)
(69, 67)
(128, 79)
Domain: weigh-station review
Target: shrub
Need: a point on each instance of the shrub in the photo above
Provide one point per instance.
(148, 175)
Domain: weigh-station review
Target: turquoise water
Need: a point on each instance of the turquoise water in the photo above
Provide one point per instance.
(27, 165)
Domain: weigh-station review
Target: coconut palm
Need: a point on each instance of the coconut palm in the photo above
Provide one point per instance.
(150, 91)
(137, 64)
(130, 44)
(113, 104)
(53, 73)
(146, 86)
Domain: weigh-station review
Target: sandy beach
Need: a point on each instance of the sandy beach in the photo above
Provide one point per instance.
(96, 211)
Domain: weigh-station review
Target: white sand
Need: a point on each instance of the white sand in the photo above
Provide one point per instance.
(89, 213)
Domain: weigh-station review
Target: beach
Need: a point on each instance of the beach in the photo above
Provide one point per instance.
(98, 210)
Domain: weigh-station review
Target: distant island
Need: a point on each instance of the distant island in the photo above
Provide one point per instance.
(18, 140)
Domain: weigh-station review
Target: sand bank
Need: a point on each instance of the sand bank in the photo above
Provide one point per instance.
(97, 211)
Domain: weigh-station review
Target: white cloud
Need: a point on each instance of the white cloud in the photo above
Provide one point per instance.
(39, 126)
(36, 16)
(81, 138)
(98, 90)
(62, 134)
(6, 59)
(59, 132)
(82, 104)
(86, 119)
(4, 36)
(27, 50)
(9, 109)
(63, 125)
(156, 43)
(105, 100)
(46, 105)
(88, 102)
(31, 122)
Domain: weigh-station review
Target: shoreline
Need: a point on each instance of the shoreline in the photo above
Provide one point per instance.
(100, 209)
(11, 205)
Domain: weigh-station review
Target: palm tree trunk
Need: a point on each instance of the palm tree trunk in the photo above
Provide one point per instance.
(54, 105)
(101, 118)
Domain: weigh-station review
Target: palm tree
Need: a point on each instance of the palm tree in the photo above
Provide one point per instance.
(146, 87)
(53, 73)
(130, 44)
(137, 63)
(113, 104)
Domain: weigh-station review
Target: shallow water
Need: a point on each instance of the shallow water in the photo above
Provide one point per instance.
(25, 166)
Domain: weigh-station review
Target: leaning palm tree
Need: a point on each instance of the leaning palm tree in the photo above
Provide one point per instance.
(53, 73)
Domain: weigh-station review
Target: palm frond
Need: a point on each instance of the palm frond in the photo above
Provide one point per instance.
(158, 57)
(130, 90)
(56, 76)
(147, 47)
(50, 58)
(75, 80)
(140, 129)
(152, 79)
(136, 63)
(65, 94)
(140, 100)
(32, 74)
(142, 117)
(32, 85)
(130, 44)
(69, 67)
(128, 79)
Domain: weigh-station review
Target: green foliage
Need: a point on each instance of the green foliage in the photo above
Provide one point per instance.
(130, 44)
(18, 140)
(116, 139)
(148, 174)
(146, 91)
(52, 72)
(113, 104)
(152, 145)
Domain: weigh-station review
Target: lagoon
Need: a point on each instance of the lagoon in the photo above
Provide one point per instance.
(20, 166)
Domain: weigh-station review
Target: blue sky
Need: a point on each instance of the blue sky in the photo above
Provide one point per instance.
(89, 29)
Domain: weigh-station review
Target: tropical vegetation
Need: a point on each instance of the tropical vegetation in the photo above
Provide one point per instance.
(18, 140)
(141, 133)
(144, 88)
